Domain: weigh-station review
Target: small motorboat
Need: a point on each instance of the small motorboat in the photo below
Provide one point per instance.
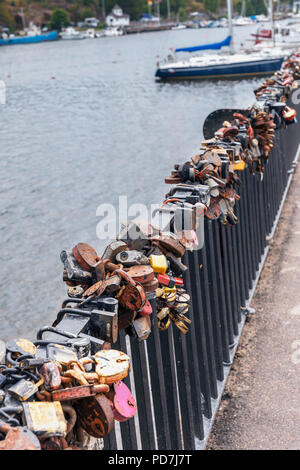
(242, 21)
(178, 26)
(112, 32)
(71, 33)
(91, 33)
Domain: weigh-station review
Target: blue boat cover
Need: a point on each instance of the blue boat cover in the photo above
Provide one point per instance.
(215, 45)
(51, 36)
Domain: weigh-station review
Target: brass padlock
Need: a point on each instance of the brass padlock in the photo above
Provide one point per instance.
(45, 419)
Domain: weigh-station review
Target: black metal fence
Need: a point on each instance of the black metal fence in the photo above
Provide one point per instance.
(177, 379)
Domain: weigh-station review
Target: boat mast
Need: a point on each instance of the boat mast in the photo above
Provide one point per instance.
(230, 29)
(243, 9)
(272, 20)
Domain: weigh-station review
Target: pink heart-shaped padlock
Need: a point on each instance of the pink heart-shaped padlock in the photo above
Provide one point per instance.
(123, 404)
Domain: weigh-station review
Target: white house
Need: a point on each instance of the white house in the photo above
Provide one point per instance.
(91, 22)
(296, 7)
(117, 17)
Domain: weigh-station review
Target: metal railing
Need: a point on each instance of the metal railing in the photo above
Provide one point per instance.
(178, 379)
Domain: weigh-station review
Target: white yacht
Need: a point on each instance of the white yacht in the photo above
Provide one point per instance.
(71, 33)
(178, 26)
(113, 32)
(225, 65)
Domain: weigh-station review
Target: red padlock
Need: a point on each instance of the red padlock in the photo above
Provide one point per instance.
(169, 281)
(146, 310)
(123, 404)
(289, 114)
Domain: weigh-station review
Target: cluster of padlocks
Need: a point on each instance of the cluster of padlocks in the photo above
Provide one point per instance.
(67, 388)
(243, 141)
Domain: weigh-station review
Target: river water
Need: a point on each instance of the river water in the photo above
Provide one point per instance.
(85, 122)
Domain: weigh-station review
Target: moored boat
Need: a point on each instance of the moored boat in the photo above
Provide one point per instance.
(71, 33)
(221, 66)
(225, 65)
(29, 39)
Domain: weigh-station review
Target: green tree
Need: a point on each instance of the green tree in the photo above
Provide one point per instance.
(211, 5)
(259, 7)
(6, 18)
(182, 14)
(75, 12)
(86, 13)
(249, 8)
(59, 19)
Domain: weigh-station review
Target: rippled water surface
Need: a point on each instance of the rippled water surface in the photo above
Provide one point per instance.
(85, 122)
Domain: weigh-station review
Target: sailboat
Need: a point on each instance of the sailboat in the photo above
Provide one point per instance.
(233, 65)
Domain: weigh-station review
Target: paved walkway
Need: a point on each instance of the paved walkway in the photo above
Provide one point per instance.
(260, 407)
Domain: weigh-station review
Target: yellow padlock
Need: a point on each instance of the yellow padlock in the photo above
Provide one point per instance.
(158, 263)
(239, 165)
(169, 290)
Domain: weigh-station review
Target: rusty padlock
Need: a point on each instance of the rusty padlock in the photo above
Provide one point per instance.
(126, 317)
(18, 347)
(132, 296)
(123, 404)
(24, 389)
(18, 438)
(51, 374)
(113, 249)
(132, 258)
(76, 393)
(95, 415)
(111, 365)
(89, 260)
(140, 328)
(142, 274)
(45, 419)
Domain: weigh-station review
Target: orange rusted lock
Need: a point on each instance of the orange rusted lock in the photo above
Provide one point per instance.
(18, 438)
(95, 415)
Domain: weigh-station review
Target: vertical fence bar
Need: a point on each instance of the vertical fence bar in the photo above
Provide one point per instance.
(159, 391)
(218, 332)
(198, 346)
(225, 317)
(208, 320)
(219, 320)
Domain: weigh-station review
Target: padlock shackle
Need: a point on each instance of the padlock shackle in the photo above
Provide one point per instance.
(74, 311)
(53, 329)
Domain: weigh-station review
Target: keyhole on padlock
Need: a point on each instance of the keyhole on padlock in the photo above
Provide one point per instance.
(129, 403)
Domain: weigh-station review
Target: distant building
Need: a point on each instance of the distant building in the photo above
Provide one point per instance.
(296, 7)
(117, 17)
(148, 18)
(91, 22)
